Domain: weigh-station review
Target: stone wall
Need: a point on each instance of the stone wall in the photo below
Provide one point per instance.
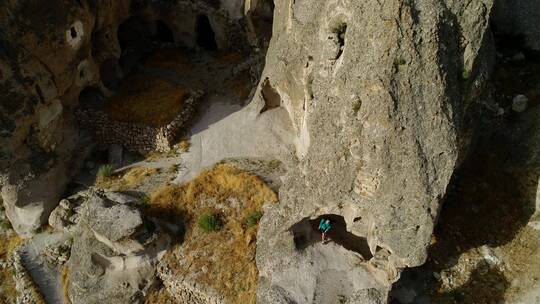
(136, 137)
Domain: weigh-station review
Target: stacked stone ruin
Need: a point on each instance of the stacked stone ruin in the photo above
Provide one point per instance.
(137, 137)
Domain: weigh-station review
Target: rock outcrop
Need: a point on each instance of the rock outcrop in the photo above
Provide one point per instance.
(381, 95)
(49, 54)
(115, 248)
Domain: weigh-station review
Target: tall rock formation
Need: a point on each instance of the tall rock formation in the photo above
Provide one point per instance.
(381, 94)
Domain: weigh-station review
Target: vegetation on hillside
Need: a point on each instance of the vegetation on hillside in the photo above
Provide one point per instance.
(223, 259)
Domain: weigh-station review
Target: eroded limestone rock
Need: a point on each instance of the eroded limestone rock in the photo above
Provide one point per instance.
(115, 248)
(378, 93)
(44, 65)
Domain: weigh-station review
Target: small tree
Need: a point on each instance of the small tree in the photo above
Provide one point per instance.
(209, 222)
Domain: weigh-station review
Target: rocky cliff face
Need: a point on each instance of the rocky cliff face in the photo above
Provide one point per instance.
(383, 97)
(49, 54)
(380, 94)
(52, 55)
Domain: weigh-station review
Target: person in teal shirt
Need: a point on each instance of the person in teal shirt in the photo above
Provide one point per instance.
(324, 226)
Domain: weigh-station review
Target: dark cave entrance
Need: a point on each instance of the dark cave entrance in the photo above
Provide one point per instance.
(206, 37)
(73, 32)
(306, 233)
(91, 98)
(271, 97)
(163, 33)
(139, 37)
(135, 39)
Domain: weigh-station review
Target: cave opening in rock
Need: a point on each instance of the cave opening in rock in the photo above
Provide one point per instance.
(271, 97)
(306, 233)
(338, 37)
(135, 39)
(163, 33)
(91, 98)
(73, 32)
(206, 37)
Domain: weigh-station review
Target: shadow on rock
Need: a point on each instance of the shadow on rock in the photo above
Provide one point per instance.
(172, 220)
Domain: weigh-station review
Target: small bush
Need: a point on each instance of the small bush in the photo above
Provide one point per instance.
(105, 171)
(209, 222)
(466, 74)
(253, 218)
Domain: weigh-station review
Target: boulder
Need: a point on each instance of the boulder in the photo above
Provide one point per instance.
(29, 205)
(115, 248)
(519, 103)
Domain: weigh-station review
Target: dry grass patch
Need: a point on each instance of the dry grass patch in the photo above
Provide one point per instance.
(8, 245)
(225, 259)
(65, 283)
(146, 100)
(132, 178)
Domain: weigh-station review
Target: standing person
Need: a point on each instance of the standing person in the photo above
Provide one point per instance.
(324, 226)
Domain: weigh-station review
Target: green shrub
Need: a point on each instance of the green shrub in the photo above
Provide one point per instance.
(209, 222)
(466, 74)
(253, 218)
(105, 171)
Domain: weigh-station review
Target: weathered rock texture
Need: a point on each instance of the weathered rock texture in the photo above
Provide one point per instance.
(49, 52)
(380, 93)
(115, 248)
